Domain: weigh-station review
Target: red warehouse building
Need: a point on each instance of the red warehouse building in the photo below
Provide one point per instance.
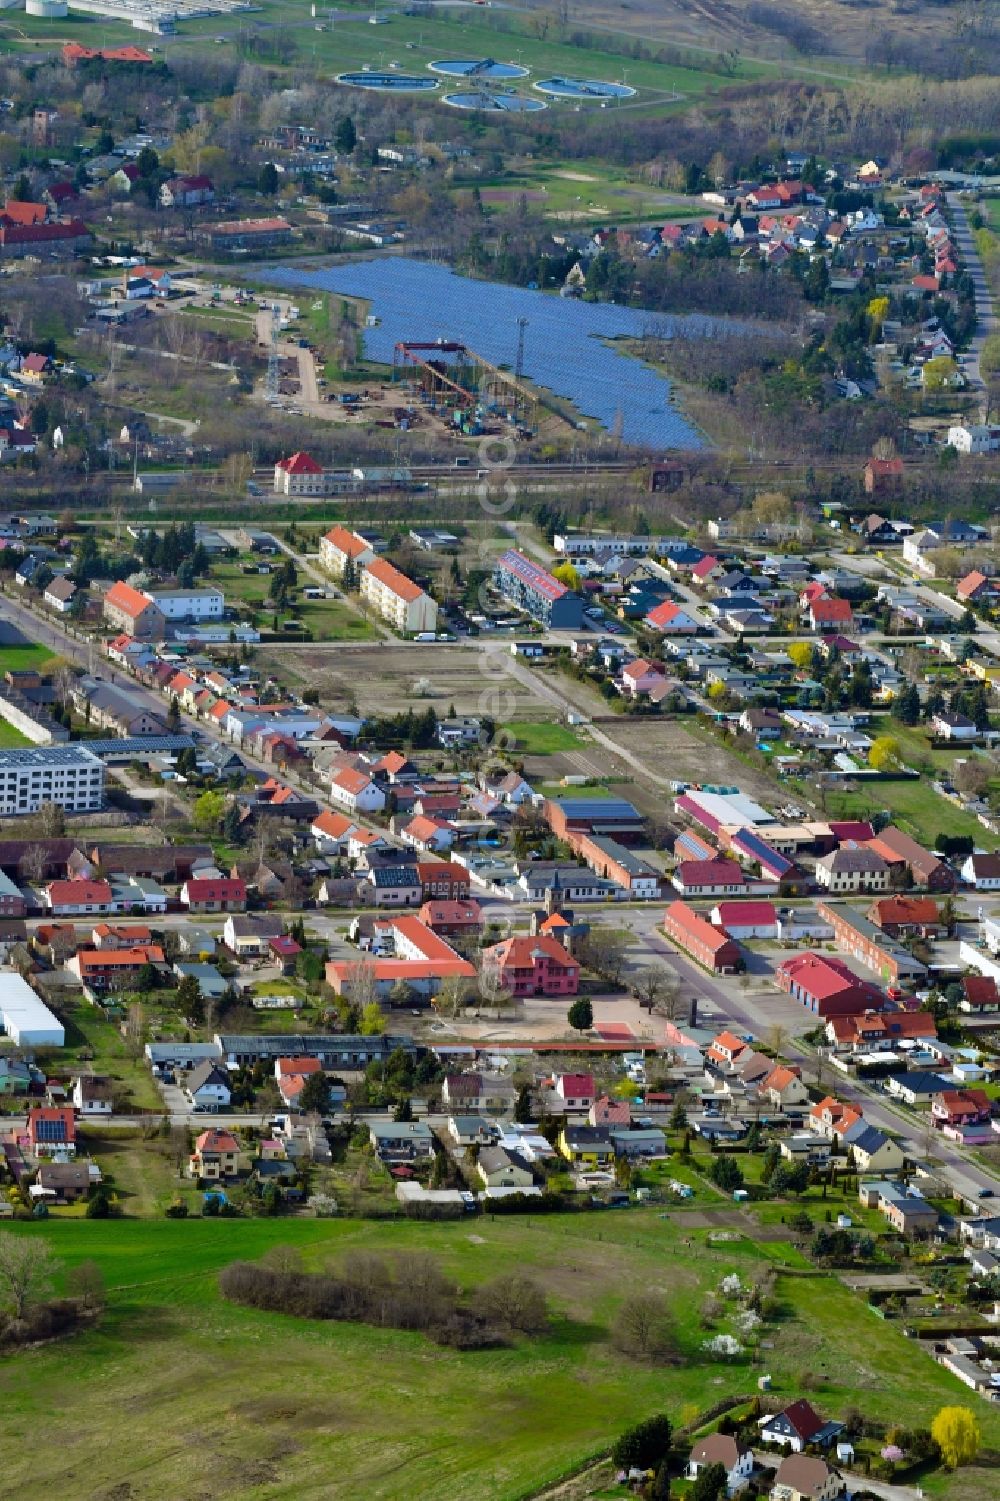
(828, 986)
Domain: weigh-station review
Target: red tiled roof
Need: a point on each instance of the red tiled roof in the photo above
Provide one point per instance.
(77, 893)
(215, 888)
(21, 212)
(299, 463)
(123, 597)
(403, 587)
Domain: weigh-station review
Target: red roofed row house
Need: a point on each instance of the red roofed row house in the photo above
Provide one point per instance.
(214, 894)
(879, 1031)
(421, 960)
(708, 945)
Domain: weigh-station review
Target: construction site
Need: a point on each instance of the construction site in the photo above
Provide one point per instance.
(462, 388)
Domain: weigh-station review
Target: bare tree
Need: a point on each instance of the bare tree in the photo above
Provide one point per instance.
(33, 863)
(516, 1302)
(454, 995)
(643, 1328)
(491, 987)
(657, 989)
(603, 951)
(361, 985)
(27, 1267)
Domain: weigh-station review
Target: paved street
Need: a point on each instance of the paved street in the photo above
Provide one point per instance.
(985, 317)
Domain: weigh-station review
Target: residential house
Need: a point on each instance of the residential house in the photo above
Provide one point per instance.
(59, 594)
(784, 1087)
(805, 1477)
(51, 1131)
(355, 792)
(700, 878)
(575, 1091)
(470, 1130)
(726, 1450)
(905, 916)
(479, 1091)
(64, 1182)
(92, 1096)
(980, 995)
(586, 1146)
(798, 1426)
(214, 894)
(981, 871)
(873, 1151)
(961, 1108)
(499, 1167)
(248, 935)
(907, 1212)
(125, 609)
(207, 1086)
(216, 1156)
(77, 898)
(852, 868)
(402, 1141)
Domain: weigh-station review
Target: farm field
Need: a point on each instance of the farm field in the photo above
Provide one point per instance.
(684, 751)
(174, 1382)
(381, 679)
(586, 189)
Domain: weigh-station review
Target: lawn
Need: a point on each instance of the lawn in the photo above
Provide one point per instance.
(543, 739)
(174, 1380)
(94, 1041)
(325, 619)
(21, 658)
(915, 807)
(11, 738)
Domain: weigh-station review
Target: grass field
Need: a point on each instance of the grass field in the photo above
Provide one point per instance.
(326, 619)
(11, 738)
(179, 1394)
(21, 658)
(543, 739)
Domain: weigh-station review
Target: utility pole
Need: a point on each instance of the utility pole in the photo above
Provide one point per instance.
(522, 324)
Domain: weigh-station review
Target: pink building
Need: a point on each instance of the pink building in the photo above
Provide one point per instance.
(535, 966)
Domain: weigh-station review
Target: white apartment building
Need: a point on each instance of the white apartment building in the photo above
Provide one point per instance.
(189, 604)
(584, 545)
(69, 775)
(398, 599)
(338, 546)
(978, 437)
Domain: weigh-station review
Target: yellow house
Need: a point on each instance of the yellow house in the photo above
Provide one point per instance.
(587, 1146)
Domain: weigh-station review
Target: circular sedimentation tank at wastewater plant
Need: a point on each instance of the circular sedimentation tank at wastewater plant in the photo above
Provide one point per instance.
(583, 88)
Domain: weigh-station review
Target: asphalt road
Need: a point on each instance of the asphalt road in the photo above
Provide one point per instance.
(986, 321)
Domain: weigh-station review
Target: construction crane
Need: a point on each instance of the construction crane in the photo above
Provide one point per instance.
(522, 324)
